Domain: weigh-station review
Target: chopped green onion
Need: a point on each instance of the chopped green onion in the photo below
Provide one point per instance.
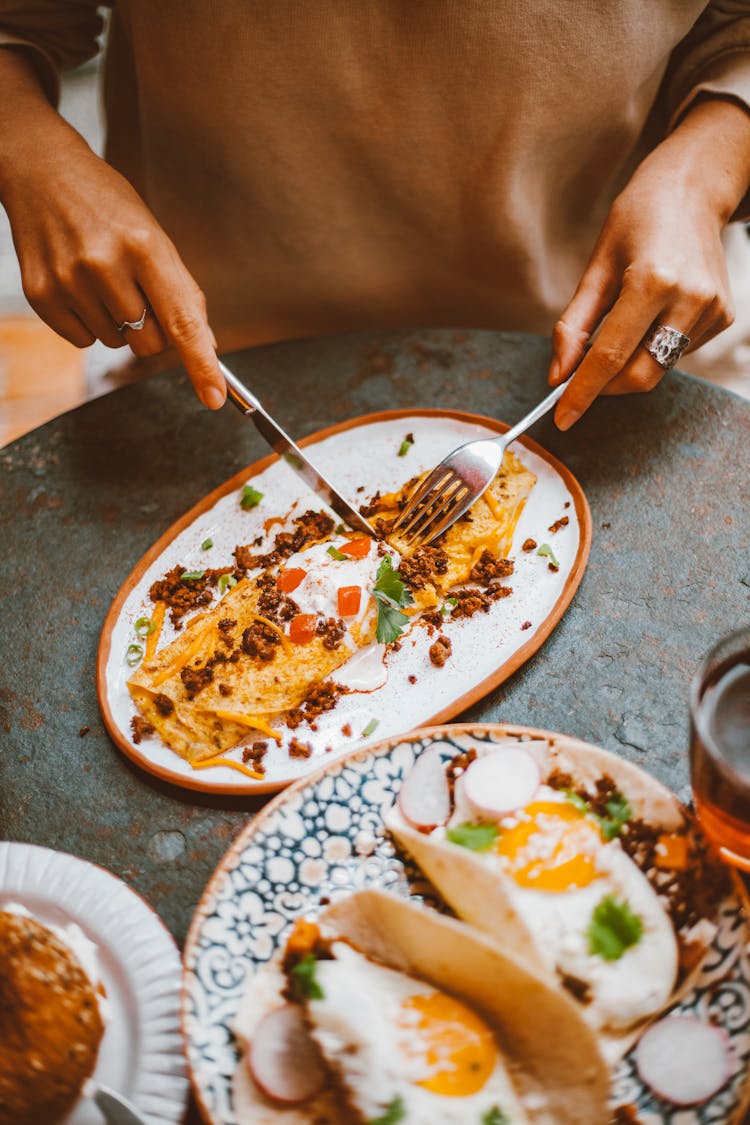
(495, 1116)
(304, 984)
(339, 556)
(226, 581)
(406, 445)
(371, 727)
(613, 928)
(477, 837)
(619, 813)
(448, 606)
(395, 1111)
(250, 497)
(133, 656)
(207, 544)
(547, 551)
(144, 627)
(340, 529)
(192, 575)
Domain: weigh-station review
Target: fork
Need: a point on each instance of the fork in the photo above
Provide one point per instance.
(461, 478)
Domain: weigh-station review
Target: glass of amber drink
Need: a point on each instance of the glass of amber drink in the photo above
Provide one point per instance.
(720, 747)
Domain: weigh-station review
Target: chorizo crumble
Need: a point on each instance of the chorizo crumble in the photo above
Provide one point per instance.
(141, 728)
(308, 528)
(562, 522)
(440, 650)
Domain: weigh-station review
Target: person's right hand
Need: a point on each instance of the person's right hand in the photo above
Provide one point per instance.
(92, 256)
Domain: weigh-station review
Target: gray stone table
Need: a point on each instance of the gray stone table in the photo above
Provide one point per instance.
(667, 476)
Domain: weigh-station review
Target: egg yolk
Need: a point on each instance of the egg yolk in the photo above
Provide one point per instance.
(456, 1046)
(552, 848)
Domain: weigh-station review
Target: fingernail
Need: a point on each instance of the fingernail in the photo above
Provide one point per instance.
(564, 419)
(554, 372)
(213, 398)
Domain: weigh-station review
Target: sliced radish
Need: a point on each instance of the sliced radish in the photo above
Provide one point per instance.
(500, 782)
(424, 798)
(683, 1060)
(283, 1059)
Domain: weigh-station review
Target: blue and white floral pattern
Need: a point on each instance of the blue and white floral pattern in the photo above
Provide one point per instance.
(323, 839)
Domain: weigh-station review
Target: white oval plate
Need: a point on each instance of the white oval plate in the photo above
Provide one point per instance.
(323, 839)
(487, 648)
(141, 1053)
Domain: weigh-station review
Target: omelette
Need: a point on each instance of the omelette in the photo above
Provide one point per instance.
(261, 658)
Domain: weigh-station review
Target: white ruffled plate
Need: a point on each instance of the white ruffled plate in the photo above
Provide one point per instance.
(141, 1052)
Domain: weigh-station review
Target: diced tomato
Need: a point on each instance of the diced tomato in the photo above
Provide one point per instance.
(358, 548)
(302, 628)
(350, 598)
(290, 579)
(672, 851)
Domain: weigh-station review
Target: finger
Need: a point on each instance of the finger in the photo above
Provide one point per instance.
(180, 309)
(718, 317)
(126, 302)
(591, 302)
(643, 372)
(97, 320)
(620, 335)
(51, 304)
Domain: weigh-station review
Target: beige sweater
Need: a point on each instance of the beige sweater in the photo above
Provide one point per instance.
(325, 165)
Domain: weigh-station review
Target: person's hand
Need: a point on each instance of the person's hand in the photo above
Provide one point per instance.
(658, 260)
(92, 256)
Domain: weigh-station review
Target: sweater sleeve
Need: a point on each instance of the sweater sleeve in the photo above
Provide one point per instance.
(57, 34)
(712, 60)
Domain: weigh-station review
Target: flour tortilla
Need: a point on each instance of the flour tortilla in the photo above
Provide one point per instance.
(558, 1069)
(480, 894)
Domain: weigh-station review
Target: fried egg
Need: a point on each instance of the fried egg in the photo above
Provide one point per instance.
(397, 1043)
(560, 869)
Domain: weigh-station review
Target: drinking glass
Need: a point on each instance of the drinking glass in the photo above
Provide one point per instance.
(720, 747)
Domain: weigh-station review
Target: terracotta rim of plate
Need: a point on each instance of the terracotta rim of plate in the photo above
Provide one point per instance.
(433, 731)
(502, 673)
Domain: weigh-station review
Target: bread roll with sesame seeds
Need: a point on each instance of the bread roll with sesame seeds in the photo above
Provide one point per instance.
(50, 1023)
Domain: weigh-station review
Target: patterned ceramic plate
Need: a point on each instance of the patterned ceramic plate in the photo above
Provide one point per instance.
(362, 456)
(141, 1052)
(324, 838)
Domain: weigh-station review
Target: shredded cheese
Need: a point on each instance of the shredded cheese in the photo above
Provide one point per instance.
(157, 619)
(180, 662)
(209, 763)
(251, 721)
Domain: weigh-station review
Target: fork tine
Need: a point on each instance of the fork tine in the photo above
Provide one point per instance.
(442, 516)
(439, 496)
(435, 477)
(462, 501)
(439, 476)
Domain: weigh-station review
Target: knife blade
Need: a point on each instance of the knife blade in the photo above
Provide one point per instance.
(247, 403)
(116, 1109)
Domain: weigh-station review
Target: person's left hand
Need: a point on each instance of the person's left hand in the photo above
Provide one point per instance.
(658, 260)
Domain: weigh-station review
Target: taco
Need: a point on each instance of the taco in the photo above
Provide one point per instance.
(574, 861)
(386, 1011)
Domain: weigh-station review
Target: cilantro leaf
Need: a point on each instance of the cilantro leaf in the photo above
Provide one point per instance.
(547, 551)
(391, 621)
(619, 813)
(495, 1116)
(336, 554)
(304, 984)
(613, 928)
(395, 1111)
(478, 837)
(391, 594)
(250, 497)
(389, 582)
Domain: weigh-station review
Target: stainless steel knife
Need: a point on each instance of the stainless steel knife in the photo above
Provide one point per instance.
(249, 405)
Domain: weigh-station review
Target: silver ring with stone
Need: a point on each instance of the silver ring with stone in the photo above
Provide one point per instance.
(666, 345)
(136, 325)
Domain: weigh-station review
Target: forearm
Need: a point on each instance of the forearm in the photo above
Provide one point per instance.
(708, 154)
(32, 132)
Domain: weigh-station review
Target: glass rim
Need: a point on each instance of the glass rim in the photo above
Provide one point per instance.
(697, 685)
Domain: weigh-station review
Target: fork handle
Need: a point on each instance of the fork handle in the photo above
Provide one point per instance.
(534, 415)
